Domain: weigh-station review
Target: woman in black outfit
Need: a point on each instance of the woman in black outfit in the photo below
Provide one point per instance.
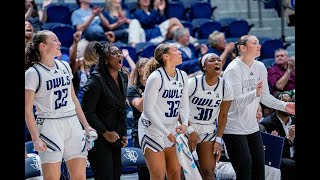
(104, 106)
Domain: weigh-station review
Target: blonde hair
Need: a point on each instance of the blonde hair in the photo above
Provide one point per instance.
(214, 38)
(90, 55)
(135, 75)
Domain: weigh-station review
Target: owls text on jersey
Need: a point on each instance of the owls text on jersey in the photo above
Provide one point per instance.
(53, 93)
(205, 103)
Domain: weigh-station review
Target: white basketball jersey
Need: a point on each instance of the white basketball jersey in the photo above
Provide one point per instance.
(205, 100)
(53, 92)
(169, 97)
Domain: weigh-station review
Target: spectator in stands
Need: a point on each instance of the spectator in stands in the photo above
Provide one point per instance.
(248, 78)
(87, 64)
(190, 55)
(209, 101)
(260, 117)
(281, 76)
(182, 38)
(156, 5)
(103, 103)
(121, 22)
(28, 32)
(157, 27)
(266, 111)
(57, 132)
(135, 97)
(33, 15)
(283, 124)
(91, 22)
(218, 45)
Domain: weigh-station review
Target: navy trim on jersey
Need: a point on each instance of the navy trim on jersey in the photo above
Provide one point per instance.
(168, 75)
(56, 64)
(44, 67)
(39, 78)
(223, 84)
(181, 77)
(66, 68)
(161, 80)
(195, 89)
(202, 80)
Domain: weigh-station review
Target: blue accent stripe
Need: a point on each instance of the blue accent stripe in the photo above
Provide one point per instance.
(147, 140)
(65, 66)
(49, 142)
(44, 67)
(166, 74)
(196, 80)
(39, 78)
(161, 80)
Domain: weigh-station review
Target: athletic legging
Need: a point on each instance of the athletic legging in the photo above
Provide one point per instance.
(246, 154)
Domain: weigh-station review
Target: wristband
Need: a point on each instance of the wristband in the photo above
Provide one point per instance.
(218, 140)
(190, 129)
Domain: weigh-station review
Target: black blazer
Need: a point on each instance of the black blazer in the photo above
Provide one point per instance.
(104, 104)
(272, 122)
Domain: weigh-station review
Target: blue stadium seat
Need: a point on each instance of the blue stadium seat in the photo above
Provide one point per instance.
(201, 10)
(65, 34)
(268, 62)
(32, 167)
(188, 25)
(268, 48)
(29, 147)
(148, 51)
(177, 9)
(238, 28)
(59, 13)
(207, 28)
(232, 39)
(131, 157)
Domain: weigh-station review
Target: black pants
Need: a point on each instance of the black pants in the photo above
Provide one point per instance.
(105, 159)
(246, 154)
(143, 171)
(288, 169)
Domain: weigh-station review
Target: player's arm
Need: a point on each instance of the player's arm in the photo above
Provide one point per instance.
(152, 90)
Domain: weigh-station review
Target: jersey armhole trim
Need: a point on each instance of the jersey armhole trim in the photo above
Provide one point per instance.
(39, 78)
(196, 85)
(161, 80)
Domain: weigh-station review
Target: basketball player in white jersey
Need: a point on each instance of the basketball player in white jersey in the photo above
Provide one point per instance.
(209, 101)
(165, 99)
(248, 79)
(57, 132)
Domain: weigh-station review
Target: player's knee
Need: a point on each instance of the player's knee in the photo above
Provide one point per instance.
(207, 173)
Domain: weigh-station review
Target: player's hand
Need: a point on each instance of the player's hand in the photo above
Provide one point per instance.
(193, 140)
(172, 138)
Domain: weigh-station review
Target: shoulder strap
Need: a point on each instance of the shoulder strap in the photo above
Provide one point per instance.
(39, 78)
(196, 85)
(161, 79)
